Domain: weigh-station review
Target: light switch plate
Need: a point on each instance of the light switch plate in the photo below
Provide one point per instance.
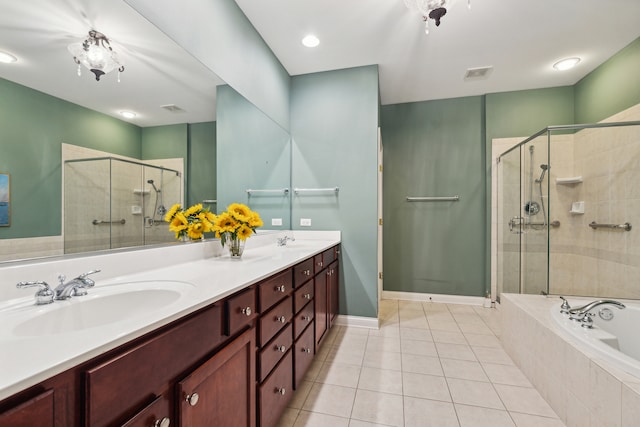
(276, 221)
(305, 222)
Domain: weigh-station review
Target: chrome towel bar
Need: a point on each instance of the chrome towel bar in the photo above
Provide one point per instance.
(316, 190)
(275, 190)
(98, 222)
(433, 199)
(626, 226)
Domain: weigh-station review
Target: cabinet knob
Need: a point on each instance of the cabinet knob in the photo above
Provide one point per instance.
(307, 272)
(247, 311)
(306, 318)
(281, 348)
(282, 390)
(281, 288)
(192, 399)
(281, 319)
(306, 296)
(320, 264)
(306, 350)
(165, 422)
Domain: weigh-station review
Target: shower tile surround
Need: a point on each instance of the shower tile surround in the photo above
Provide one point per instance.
(583, 389)
(582, 261)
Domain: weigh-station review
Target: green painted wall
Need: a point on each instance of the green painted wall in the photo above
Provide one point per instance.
(254, 152)
(32, 127)
(334, 120)
(612, 87)
(434, 148)
(165, 142)
(201, 167)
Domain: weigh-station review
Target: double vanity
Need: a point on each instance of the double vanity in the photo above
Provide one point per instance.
(169, 336)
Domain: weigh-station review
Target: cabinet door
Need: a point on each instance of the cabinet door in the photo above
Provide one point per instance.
(321, 306)
(275, 392)
(221, 392)
(157, 414)
(334, 292)
(36, 412)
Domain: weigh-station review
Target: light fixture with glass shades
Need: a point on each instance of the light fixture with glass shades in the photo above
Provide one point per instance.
(431, 9)
(566, 64)
(96, 54)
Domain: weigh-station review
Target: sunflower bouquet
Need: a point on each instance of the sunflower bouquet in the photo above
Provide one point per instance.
(192, 222)
(237, 223)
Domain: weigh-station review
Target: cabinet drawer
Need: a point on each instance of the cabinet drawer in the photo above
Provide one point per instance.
(303, 355)
(273, 352)
(302, 272)
(274, 320)
(302, 296)
(303, 319)
(275, 393)
(241, 310)
(120, 386)
(153, 415)
(34, 412)
(274, 289)
(318, 264)
(329, 256)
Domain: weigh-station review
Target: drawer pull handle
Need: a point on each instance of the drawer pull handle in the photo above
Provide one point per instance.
(247, 311)
(281, 319)
(307, 318)
(281, 348)
(165, 422)
(306, 350)
(282, 391)
(307, 272)
(320, 264)
(306, 296)
(192, 399)
(281, 288)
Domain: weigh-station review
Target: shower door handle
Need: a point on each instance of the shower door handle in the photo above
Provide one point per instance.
(515, 225)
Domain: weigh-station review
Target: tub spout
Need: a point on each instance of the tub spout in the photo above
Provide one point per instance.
(582, 314)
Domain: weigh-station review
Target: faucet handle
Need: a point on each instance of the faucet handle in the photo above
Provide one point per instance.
(564, 308)
(44, 295)
(83, 275)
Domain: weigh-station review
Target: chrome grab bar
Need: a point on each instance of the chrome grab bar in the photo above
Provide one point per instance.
(275, 190)
(98, 221)
(315, 190)
(626, 226)
(433, 199)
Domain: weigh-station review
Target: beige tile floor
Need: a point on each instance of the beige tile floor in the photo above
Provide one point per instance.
(429, 364)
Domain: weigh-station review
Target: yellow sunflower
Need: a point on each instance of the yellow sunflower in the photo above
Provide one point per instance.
(193, 209)
(171, 213)
(255, 220)
(244, 232)
(195, 230)
(239, 211)
(225, 223)
(178, 223)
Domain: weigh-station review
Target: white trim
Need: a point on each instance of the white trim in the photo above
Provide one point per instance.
(449, 299)
(358, 321)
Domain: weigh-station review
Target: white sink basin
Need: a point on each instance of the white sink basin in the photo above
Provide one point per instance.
(103, 305)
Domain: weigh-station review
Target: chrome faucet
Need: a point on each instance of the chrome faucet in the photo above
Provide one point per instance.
(74, 287)
(44, 295)
(282, 241)
(583, 314)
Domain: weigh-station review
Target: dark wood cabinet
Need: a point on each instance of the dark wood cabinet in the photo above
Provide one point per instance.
(35, 412)
(221, 392)
(234, 363)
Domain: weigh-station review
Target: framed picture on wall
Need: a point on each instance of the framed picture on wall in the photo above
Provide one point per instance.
(5, 200)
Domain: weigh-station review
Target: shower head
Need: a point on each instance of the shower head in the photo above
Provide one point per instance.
(150, 181)
(544, 168)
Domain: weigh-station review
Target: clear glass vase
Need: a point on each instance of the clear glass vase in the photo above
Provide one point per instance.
(235, 246)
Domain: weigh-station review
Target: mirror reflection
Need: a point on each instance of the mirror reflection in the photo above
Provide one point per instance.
(46, 106)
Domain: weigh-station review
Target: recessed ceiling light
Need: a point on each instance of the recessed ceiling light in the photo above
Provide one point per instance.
(310, 41)
(566, 64)
(128, 114)
(7, 58)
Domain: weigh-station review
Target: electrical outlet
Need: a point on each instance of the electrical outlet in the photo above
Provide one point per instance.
(305, 222)
(276, 221)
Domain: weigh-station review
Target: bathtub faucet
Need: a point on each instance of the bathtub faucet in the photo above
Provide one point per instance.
(583, 314)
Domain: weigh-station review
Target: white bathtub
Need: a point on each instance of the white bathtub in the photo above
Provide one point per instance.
(616, 340)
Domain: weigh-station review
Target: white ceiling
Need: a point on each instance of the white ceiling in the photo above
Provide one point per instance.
(521, 39)
(157, 71)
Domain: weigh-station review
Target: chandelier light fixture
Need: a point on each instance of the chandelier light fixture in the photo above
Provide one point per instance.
(96, 54)
(431, 9)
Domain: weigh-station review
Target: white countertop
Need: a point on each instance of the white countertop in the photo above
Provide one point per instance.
(210, 274)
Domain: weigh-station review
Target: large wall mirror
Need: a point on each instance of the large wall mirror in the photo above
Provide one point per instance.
(56, 125)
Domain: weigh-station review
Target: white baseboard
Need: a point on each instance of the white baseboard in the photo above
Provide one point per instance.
(357, 321)
(448, 299)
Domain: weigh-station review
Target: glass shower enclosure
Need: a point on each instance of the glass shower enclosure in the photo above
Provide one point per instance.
(115, 203)
(568, 199)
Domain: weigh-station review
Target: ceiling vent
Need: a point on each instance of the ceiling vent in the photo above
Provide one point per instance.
(478, 73)
(173, 108)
